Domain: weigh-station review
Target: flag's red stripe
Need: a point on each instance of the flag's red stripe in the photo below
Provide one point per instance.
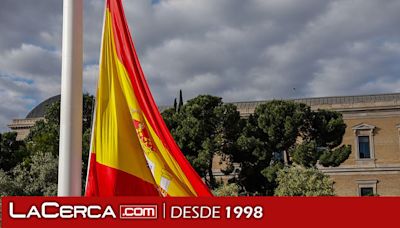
(127, 55)
(107, 181)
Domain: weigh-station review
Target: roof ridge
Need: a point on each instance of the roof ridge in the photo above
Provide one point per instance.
(326, 97)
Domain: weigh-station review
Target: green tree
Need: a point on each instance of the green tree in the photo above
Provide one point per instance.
(324, 137)
(204, 127)
(282, 133)
(36, 174)
(170, 118)
(180, 100)
(300, 181)
(87, 112)
(34, 178)
(12, 151)
(231, 189)
(7, 186)
(282, 122)
(87, 121)
(44, 135)
(175, 105)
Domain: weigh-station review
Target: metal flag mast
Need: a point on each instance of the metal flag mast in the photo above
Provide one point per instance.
(70, 153)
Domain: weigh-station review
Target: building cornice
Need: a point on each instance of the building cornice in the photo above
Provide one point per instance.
(389, 169)
(23, 123)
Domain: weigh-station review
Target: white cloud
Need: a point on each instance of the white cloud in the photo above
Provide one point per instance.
(30, 61)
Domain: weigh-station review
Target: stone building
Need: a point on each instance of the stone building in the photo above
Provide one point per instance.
(373, 131)
(22, 126)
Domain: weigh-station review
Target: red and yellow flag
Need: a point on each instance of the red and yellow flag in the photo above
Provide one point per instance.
(133, 152)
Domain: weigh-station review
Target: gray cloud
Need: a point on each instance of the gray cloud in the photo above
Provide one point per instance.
(12, 99)
(35, 22)
(240, 50)
(29, 61)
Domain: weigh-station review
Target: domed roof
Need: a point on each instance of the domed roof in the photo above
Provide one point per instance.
(40, 109)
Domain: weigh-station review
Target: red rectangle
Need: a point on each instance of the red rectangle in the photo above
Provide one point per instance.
(200, 212)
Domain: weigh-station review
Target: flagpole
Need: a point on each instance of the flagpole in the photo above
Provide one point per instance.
(70, 153)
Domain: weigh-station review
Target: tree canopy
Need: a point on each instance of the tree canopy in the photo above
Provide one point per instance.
(278, 134)
(281, 133)
(12, 151)
(204, 127)
(300, 181)
(34, 161)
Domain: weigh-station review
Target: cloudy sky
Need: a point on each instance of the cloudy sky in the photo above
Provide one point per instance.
(236, 49)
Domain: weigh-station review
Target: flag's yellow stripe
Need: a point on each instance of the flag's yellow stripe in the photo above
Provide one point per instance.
(115, 140)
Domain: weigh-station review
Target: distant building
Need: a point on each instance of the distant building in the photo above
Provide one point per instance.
(373, 131)
(22, 126)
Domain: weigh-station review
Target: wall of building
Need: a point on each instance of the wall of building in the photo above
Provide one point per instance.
(381, 111)
(388, 184)
(386, 144)
(23, 126)
(384, 168)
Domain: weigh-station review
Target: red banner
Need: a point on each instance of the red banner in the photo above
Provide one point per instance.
(203, 212)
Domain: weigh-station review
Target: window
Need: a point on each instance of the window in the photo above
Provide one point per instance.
(368, 191)
(367, 187)
(364, 144)
(363, 147)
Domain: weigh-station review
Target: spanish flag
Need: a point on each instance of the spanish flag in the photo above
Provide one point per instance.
(132, 150)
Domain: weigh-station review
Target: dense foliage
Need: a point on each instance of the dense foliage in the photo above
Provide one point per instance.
(11, 151)
(204, 127)
(30, 167)
(279, 134)
(231, 189)
(300, 181)
(274, 151)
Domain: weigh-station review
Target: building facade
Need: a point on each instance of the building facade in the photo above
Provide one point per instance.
(373, 131)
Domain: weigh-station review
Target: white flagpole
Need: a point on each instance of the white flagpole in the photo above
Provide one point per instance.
(70, 154)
